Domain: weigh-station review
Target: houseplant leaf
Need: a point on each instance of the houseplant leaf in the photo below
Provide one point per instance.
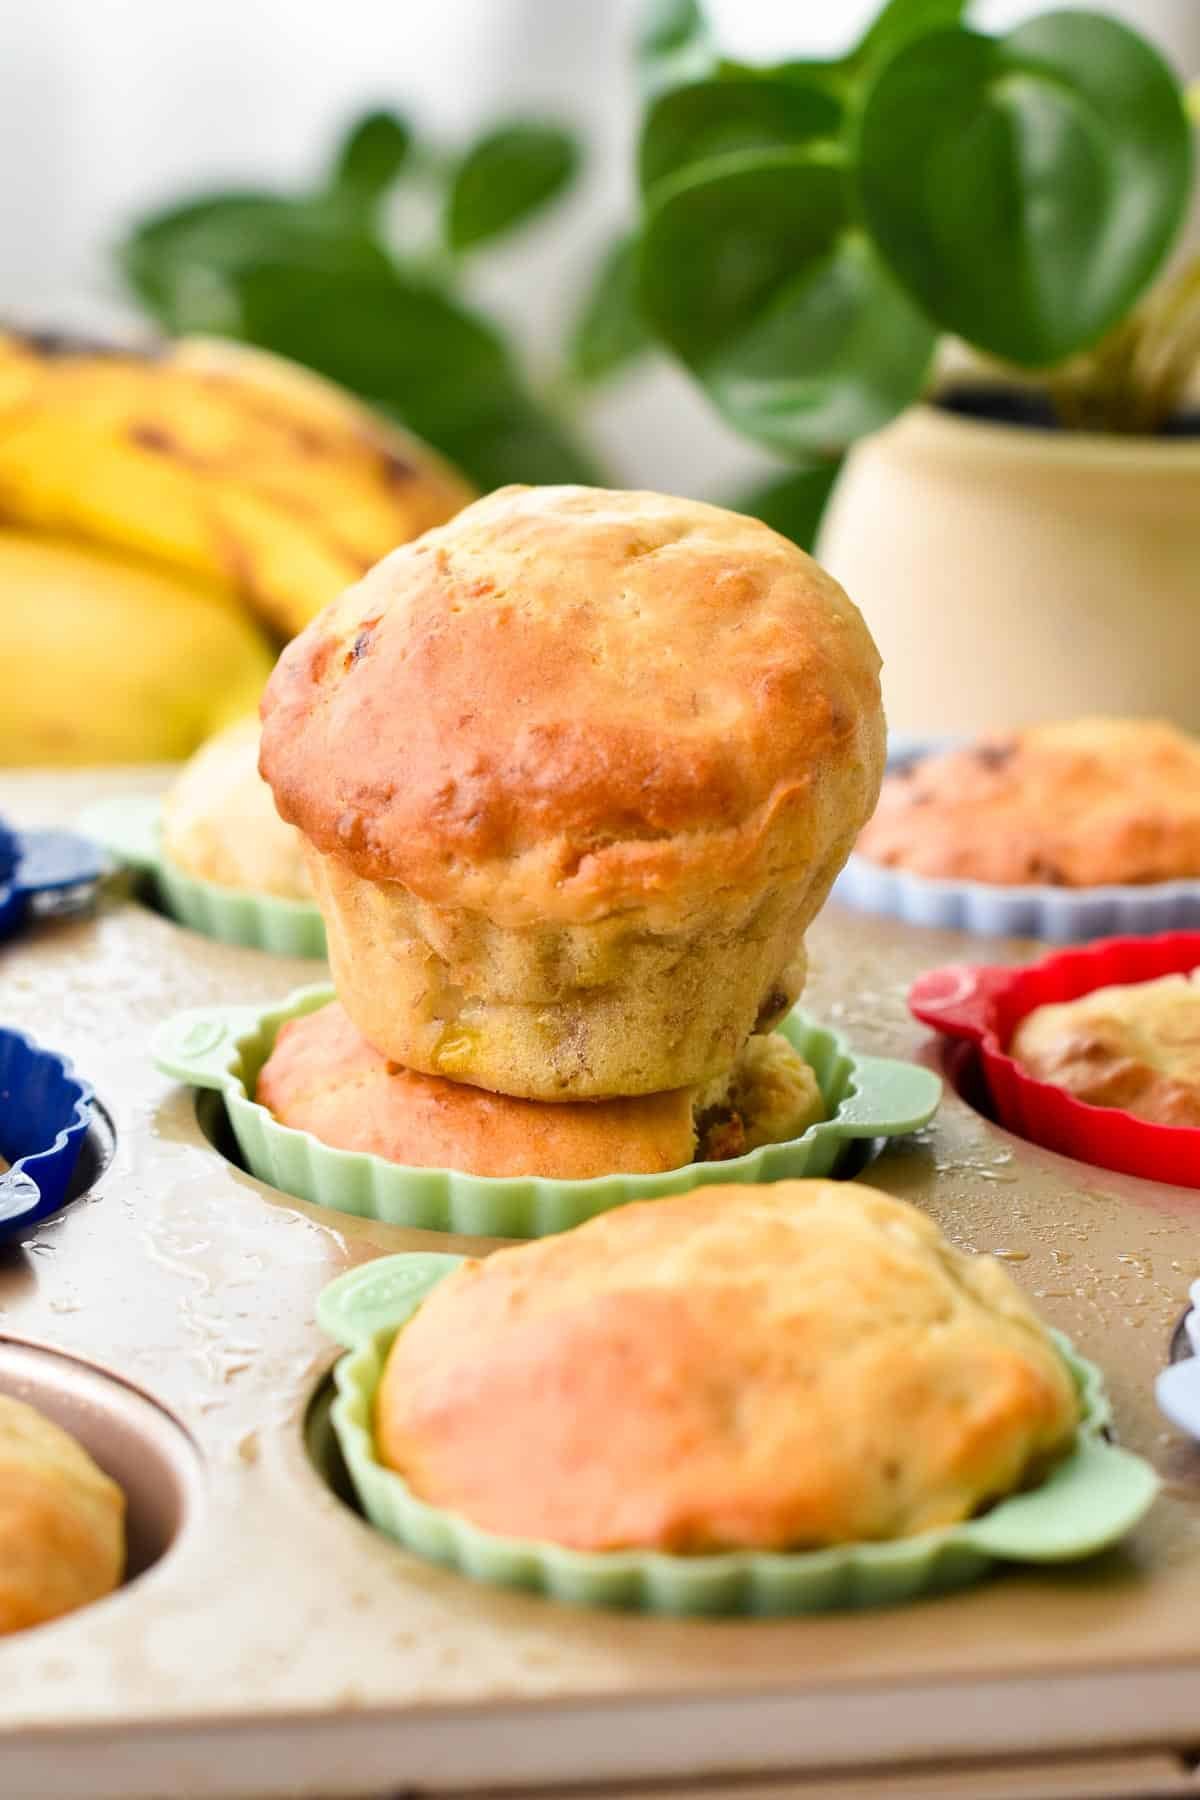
(183, 263)
(609, 331)
(371, 156)
(898, 24)
(839, 350)
(1025, 189)
(706, 119)
(413, 351)
(794, 502)
(753, 273)
(674, 44)
(718, 244)
(505, 177)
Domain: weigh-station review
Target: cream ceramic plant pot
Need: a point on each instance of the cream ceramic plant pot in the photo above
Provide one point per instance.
(1011, 574)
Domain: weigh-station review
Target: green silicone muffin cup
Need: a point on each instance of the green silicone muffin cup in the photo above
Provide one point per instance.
(225, 1048)
(130, 826)
(1088, 1501)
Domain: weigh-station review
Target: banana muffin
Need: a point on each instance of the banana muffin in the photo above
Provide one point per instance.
(782, 1367)
(575, 772)
(323, 1077)
(62, 1521)
(1080, 803)
(1134, 1046)
(219, 821)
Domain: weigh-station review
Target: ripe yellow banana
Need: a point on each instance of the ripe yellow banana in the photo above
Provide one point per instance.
(221, 462)
(110, 658)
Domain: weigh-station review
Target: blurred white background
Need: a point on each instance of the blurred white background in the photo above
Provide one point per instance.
(111, 106)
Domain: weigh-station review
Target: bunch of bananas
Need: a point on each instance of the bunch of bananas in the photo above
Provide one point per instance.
(167, 518)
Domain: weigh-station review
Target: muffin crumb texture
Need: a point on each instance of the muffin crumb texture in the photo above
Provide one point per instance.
(803, 1364)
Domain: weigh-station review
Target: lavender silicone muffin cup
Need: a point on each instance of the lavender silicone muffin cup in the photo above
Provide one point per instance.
(1054, 914)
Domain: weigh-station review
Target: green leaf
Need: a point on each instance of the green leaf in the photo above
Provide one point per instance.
(718, 244)
(371, 156)
(1025, 189)
(839, 350)
(609, 331)
(408, 348)
(691, 125)
(898, 24)
(793, 503)
(504, 178)
(183, 263)
(674, 45)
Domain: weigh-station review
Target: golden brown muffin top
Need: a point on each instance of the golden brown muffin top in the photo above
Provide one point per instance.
(801, 1364)
(1081, 803)
(324, 1077)
(570, 700)
(62, 1531)
(1134, 1046)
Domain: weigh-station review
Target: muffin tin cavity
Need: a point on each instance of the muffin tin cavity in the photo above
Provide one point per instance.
(46, 1115)
(224, 1048)
(145, 1451)
(981, 1005)
(129, 827)
(1088, 1501)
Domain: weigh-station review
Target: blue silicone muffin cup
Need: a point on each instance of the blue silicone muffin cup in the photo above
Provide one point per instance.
(45, 873)
(45, 1111)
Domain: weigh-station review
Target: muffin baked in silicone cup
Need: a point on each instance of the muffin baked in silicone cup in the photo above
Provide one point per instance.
(983, 1005)
(45, 1112)
(1088, 1501)
(224, 1048)
(1057, 915)
(130, 827)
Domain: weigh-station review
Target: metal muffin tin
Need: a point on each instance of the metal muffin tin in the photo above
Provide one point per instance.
(282, 1646)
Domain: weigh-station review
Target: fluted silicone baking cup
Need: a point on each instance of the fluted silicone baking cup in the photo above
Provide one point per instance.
(1088, 1501)
(45, 1111)
(225, 1047)
(45, 874)
(984, 1004)
(130, 827)
(1054, 914)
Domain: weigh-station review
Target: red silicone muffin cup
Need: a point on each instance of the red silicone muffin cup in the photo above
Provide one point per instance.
(984, 1004)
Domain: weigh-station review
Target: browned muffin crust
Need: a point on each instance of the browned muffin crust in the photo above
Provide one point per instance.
(323, 1077)
(800, 1364)
(569, 701)
(1082, 803)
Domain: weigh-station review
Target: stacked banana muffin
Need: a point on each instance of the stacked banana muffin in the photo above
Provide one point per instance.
(573, 774)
